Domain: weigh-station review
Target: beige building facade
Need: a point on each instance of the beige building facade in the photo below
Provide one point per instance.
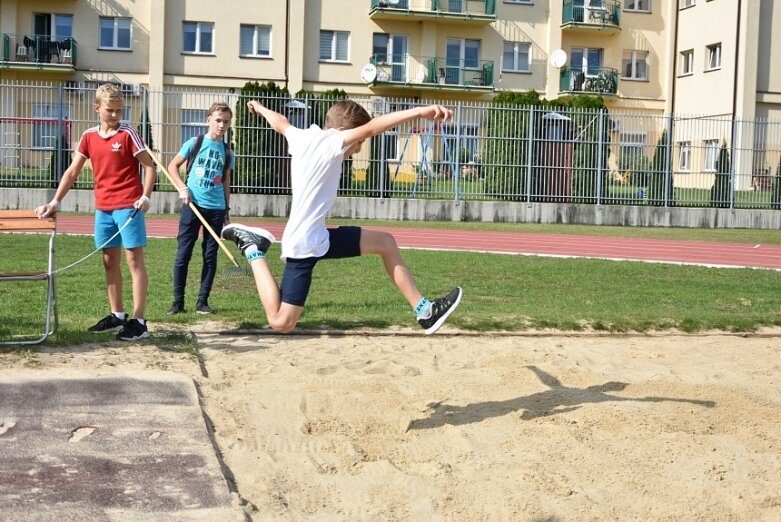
(663, 56)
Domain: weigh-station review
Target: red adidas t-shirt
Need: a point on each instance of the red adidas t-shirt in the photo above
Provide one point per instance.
(114, 164)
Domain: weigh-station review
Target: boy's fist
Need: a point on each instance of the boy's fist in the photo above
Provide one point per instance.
(48, 209)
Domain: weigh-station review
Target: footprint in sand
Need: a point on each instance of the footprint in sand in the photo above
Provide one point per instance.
(5, 426)
(81, 432)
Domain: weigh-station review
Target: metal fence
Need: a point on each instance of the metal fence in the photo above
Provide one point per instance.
(489, 152)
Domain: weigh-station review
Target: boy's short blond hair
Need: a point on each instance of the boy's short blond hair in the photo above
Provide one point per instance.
(220, 107)
(108, 92)
(346, 114)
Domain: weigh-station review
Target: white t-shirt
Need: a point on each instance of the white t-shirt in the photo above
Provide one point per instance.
(315, 170)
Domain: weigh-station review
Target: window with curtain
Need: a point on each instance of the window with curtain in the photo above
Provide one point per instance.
(714, 56)
(197, 37)
(255, 40)
(334, 46)
(684, 155)
(711, 155)
(642, 6)
(516, 57)
(634, 65)
(115, 33)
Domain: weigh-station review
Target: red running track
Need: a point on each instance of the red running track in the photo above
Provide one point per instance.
(706, 253)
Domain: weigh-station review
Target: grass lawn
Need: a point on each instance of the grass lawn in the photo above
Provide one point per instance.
(502, 292)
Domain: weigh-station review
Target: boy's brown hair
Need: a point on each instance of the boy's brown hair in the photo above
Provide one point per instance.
(108, 92)
(220, 107)
(346, 114)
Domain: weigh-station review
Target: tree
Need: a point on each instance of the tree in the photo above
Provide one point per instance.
(720, 192)
(658, 176)
(776, 200)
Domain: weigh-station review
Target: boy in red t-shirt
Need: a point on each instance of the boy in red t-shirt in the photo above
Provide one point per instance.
(115, 149)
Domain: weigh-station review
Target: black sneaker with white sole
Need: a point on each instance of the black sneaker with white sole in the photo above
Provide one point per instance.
(203, 308)
(441, 310)
(176, 308)
(109, 323)
(245, 237)
(133, 331)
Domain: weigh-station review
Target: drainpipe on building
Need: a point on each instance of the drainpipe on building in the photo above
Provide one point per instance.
(287, 41)
(733, 134)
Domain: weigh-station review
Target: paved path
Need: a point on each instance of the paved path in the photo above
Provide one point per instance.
(706, 253)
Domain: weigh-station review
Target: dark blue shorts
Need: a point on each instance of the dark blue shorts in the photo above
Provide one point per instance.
(297, 277)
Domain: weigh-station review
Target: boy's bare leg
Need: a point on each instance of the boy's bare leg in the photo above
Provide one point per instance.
(113, 278)
(282, 317)
(138, 274)
(384, 244)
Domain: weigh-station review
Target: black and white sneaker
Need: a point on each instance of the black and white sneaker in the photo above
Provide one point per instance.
(176, 308)
(245, 237)
(133, 331)
(203, 309)
(441, 310)
(109, 323)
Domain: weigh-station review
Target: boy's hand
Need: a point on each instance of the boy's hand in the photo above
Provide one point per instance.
(437, 112)
(184, 195)
(142, 204)
(254, 106)
(48, 209)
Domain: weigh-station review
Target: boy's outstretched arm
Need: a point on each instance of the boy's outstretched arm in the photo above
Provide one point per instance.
(388, 121)
(277, 121)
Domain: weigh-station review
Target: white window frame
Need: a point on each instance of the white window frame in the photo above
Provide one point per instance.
(713, 53)
(257, 52)
(687, 62)
(335, 39)
(117, 20)
(53, 17)
(193, 123)
(518, 64)
(199, 26)
(635, 60)
(634, 7)
(527, 2)
(48, 111)
(711, 149)
(684, 156)
(688, 3)
(632, 143)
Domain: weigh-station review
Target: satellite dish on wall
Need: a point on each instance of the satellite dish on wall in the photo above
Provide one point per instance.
(558, 58)
(368, 73)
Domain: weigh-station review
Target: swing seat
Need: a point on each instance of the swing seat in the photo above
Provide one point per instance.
(21, 221)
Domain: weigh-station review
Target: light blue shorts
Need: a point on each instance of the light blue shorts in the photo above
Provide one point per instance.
(108, 223)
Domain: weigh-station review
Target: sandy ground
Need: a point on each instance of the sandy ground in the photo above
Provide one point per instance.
(465, 427)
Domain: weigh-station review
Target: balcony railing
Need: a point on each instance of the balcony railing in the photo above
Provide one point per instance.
(593, 80)
(592, 14)
(452, 10)
(23, 51)
(436, 72)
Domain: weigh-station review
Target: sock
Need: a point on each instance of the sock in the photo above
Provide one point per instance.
(253, 253)
(423, 310)
(120, 315)
(142, 321)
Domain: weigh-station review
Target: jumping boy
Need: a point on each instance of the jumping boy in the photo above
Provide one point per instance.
(316, 167)
(115, 149)
(209, 167)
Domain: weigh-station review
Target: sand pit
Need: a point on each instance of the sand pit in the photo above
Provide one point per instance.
(406, 427)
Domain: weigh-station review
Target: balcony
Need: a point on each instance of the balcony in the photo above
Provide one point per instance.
(433, 73)
(594, 80)
(590, 15)
(481, 12)
(38, 52)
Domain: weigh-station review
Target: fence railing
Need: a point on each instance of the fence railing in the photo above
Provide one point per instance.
(488, 152)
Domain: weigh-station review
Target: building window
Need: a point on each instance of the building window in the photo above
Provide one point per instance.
(631, 151)
(518, 1)
(639, 6)
(193, 123)
(334, 46)
(198, 37)
(687, 3)
(714, 56)
(56, 26)
(516, 57)
(684, 155)
(389, 53)
(45, 132)
(255, 40)
(634, 65)
(687, 62)
(115, 33)
(711, 155)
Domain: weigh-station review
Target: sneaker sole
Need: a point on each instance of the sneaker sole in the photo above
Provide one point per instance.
(116, 329)
(142, 336)
(202, 313)
(262, 232)
(436, 326)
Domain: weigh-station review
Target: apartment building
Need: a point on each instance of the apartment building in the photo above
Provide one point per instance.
(683, 56)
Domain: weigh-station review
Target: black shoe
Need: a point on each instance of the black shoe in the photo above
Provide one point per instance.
(110, 322)
(176, 308)
(440, 310)
(245, 237)
(132, 331)
(203, 308)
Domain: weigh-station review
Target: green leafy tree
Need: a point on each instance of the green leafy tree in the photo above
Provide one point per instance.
(720, 192)
(776, 201)
(656, 178)
(262, 163)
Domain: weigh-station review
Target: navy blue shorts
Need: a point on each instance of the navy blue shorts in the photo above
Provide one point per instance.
(297, 277)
